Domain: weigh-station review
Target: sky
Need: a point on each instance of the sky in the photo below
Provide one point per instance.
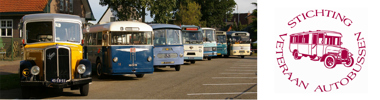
(243, 5)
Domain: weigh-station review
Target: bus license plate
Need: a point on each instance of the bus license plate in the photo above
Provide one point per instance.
(191, 57)
(167, 62)
(58, 80)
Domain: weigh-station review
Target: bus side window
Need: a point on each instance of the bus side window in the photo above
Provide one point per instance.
(320, 38)
(315, 40)
(99, 39)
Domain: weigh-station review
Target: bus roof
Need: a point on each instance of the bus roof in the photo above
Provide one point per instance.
(206, 28)
(329, 33)
(231, 32)
(223, 33)
(120, 26)
(190, 26)
(49, 16)
(164, 26)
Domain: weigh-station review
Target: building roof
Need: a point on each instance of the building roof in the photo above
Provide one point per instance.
(22, 5)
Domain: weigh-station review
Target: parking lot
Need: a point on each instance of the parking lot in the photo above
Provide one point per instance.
(220, 78)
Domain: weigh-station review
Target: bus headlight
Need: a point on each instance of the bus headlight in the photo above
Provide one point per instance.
(149, 58)
(181, 55)
(35, 70)
(200, 50)
(115, 59)
(234, 51)
(81, 68)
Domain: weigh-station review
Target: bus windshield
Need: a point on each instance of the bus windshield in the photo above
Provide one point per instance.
(39, 32)
(208, 35)
(221, 38)
(67, 32)
(131, 38)
(192, 37)
(167, 37)
(240, 39)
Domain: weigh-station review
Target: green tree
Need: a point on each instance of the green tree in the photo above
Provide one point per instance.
(127, 9)
(253, 29)
(162, 10)
(188, 13)
(214, 12)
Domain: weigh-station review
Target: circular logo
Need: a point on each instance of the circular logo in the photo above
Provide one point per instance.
(25, 72)
(320, 58)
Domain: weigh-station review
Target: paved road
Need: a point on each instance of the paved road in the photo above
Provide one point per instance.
(220, 78)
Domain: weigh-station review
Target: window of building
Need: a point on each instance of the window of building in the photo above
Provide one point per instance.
(112, 19)
(66, 6)
(71, 6)
(6, 28)
(61, 5)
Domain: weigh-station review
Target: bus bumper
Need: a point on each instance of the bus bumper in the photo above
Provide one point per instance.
(57, 85)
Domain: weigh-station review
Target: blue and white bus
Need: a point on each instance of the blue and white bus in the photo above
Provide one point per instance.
(192, 43)
(168, 47)
(118, 48)
(238, 43)
(221, 40)
(209, 43)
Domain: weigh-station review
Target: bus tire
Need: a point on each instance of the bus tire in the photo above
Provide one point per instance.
(192, 62)
(140, 75)
(330, 62)
(84, 89)
(295, 54)
(25, 92)
(177, 68)
(350, 62)
(99, 70)
(209, 58)
(241, 56)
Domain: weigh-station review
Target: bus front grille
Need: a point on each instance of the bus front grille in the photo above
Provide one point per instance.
(57, 63)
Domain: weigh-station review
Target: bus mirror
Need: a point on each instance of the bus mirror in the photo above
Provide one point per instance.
(250, 40)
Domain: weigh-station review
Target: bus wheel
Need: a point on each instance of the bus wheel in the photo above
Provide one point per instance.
(140, 75)
(192, 62)
(350, 62)
(209, 58)
(99, 71)
(241, 56)
(330, 62)
(25, 92)
(177, 68)
(295, 54)
(84, 89)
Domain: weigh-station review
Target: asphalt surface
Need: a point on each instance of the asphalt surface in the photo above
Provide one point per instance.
(220, 78)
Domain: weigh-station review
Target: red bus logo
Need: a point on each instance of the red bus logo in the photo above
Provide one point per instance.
(320, 45)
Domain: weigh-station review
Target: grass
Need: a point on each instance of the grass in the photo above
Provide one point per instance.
(10, 81)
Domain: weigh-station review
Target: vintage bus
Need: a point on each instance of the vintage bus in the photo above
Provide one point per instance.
(239, 43)
(221, 40)
(119, 48)
(53, 54)
(209, 43)
(193, 43)
(321, 45)
(168, 47)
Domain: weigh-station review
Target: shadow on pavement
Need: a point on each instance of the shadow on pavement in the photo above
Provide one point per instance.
(161, 70)
(39, 93)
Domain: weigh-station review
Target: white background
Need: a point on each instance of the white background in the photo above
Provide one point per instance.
(274, 16)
